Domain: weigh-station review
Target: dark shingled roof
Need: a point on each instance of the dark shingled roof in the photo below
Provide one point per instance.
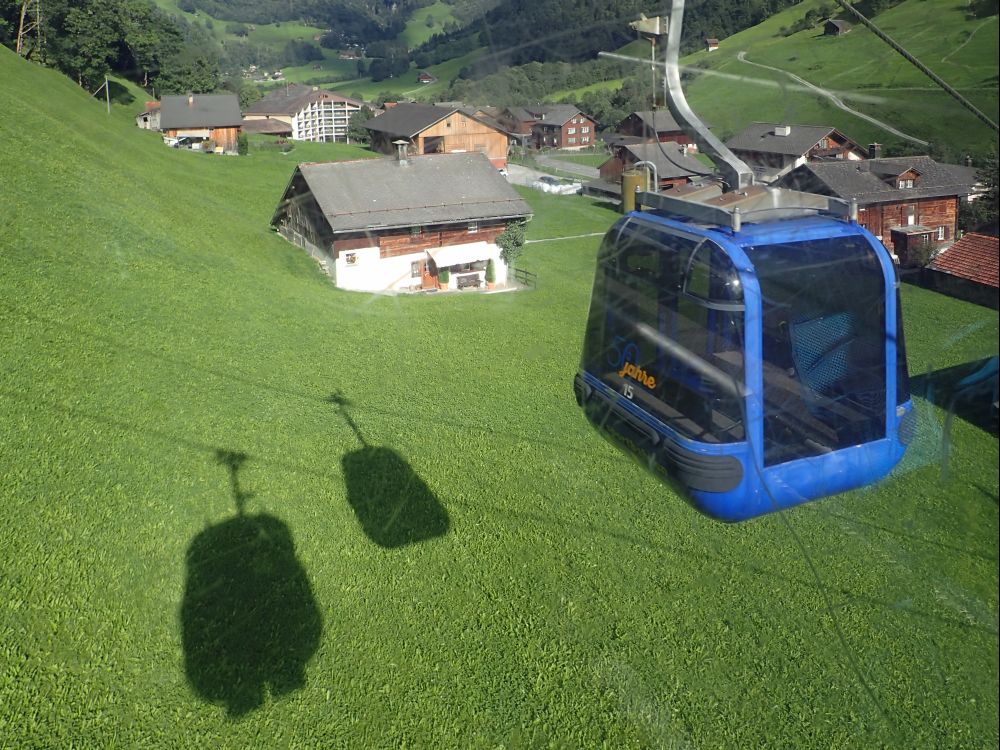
(659, 121)
(760, 137)
(866, 180)
(291, 99)
(205, 111)
(669, 159)
(406, 120)
(554, 114)
(433, 189)
(975, 257)
(267, 127)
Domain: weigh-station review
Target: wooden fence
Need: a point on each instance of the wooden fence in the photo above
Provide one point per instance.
(527, 278)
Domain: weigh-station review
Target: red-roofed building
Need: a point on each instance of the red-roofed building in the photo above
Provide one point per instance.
(967, 270)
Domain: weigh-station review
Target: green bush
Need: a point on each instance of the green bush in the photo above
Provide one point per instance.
(511, 241)
(444, 276)
(491, 272)
(242, 144)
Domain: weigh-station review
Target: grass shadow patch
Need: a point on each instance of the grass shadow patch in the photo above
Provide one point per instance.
(249, 621)
(394, 506)
(119, 94)
(967, 391)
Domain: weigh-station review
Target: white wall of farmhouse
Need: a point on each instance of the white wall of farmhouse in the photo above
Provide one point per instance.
(364, 270)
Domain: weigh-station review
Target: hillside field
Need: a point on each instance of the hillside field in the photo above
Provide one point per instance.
(240, 508)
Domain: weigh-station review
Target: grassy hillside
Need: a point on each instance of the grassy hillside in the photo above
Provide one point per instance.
(417, 31)
(196, 430)
(860, 68)
(868, 74)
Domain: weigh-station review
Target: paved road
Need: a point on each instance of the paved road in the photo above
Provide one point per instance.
(837, 101)
(565, 165)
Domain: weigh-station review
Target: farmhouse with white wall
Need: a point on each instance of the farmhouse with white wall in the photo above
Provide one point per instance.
(385, 225)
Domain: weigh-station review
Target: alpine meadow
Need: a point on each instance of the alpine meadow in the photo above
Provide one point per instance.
(242, 508)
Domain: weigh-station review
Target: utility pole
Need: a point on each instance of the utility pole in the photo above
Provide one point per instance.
(31, 20)
(651, 29)
(107, 93)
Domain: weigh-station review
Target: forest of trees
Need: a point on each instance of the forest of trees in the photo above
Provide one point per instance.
(87, 39)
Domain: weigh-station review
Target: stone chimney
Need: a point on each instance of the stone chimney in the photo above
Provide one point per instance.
(874, 150)
(783, 130)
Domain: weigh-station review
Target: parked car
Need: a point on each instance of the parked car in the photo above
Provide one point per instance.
(186, 141)
(548, 184)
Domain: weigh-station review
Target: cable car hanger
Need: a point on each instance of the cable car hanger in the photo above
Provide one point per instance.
(743, 196)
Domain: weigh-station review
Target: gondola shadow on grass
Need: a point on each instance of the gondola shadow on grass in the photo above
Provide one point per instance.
(249, 622)
(393, 505)
(968, 391)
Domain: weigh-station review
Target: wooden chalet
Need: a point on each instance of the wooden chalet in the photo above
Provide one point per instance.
(905, 201)
(772, 150)
(212, 118)
(560, 126)
(392, 225)
(654, 125)
(436, 130)
(672, 164)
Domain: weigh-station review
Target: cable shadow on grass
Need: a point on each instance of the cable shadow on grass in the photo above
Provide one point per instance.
(394, 506)
(249, 622)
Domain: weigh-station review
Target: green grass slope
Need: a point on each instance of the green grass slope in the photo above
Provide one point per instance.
(867, 74)
(417, 31)
(209, 458)
(863, 70)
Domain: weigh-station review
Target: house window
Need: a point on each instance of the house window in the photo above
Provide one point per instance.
(905, 184)
(584, 130)
(911, 215)
(415, 269)
(585, 139)
(416, 231)
(351, 259)
(571, 130)
(572, 140)
(941, 233)
(479, 265)
(473, 227)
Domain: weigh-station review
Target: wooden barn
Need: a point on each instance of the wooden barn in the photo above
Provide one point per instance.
(428, 129)
(203, 117)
